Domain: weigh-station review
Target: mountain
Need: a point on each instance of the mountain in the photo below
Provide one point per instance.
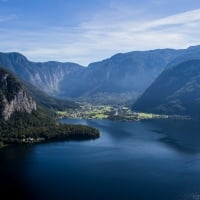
(13, 97)
(23, 120)
(47, 101)
(129, 74)
(175, 91)
(126, 74)
(191, 53)
(45, 76)
(121, 78)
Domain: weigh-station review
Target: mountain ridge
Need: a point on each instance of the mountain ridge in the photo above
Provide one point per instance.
(126, 75)
(43, 75)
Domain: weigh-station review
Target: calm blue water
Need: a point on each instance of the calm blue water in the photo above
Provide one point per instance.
(158, 160)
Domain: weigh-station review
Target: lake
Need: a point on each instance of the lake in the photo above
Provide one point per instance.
(145, 160)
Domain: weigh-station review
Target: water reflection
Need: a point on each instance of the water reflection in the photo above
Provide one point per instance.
(182, 135)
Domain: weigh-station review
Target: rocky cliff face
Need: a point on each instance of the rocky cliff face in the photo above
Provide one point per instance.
(45, 76)
(13, 97)
(21, 103)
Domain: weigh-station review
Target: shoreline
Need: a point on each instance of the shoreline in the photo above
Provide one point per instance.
(124, 119)
(59, 132)
(79, 136)
(43, 140)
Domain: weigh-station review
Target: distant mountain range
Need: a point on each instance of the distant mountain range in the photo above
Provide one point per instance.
(175, 91)
(121, 76)
(124, 75)
(119, 79)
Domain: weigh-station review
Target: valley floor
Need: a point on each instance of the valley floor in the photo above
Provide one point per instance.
(88, 111)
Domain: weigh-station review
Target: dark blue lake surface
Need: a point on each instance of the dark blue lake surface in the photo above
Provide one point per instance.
(158, 160)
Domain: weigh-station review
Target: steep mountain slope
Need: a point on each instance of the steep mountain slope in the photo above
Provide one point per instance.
(13, 97)
(47, 101)
(191, 53)
(175, 91)
(45, 76)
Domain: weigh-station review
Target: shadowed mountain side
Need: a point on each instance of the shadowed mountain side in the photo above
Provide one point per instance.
(175, 91)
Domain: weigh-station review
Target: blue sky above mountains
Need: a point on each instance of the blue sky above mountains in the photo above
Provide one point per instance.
(85, 31)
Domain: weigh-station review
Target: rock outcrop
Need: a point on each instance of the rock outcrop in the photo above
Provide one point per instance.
(13, 97)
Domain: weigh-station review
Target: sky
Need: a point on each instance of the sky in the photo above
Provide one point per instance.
(85, 31)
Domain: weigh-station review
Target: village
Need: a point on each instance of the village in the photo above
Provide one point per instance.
(88, 111)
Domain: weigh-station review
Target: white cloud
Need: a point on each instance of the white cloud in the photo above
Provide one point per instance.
(104, 36)
(178, 19)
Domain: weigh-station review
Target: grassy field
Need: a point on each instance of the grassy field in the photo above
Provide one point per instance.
(101, 116)
(61, 113)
